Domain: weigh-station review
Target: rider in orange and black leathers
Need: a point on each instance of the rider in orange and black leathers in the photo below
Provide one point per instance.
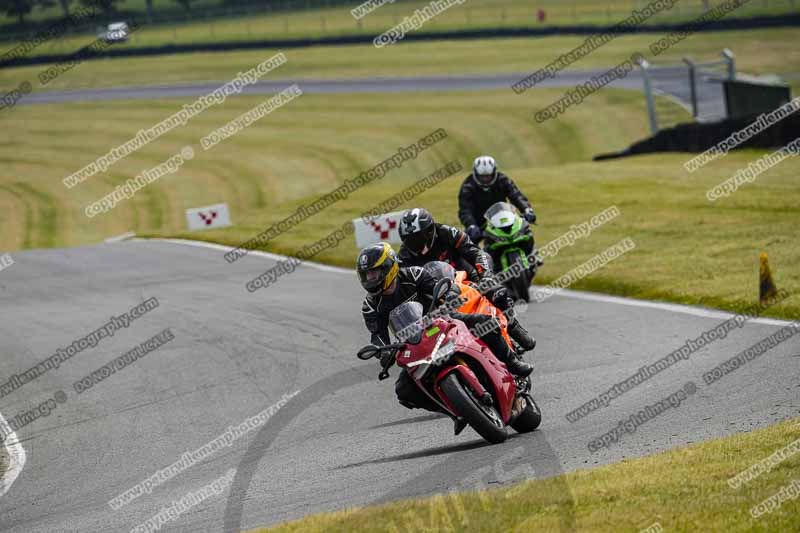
(425, 241)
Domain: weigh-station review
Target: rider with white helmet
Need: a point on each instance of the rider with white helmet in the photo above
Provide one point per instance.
(483, 188)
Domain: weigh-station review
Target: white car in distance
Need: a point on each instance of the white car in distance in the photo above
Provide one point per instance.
(117, 32)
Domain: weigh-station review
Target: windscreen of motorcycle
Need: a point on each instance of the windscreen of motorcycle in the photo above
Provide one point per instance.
(405, 322)
(501, 215)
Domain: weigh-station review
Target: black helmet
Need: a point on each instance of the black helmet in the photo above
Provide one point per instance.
(377, 267)
(484, 171)
(417, 230)
(440, 270)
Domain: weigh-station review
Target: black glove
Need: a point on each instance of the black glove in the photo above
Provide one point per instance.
(387, 359)
(474, 233)
(529, 215)
(500, 298)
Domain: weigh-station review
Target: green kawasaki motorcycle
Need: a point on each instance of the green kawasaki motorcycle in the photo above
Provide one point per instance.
(509, 241)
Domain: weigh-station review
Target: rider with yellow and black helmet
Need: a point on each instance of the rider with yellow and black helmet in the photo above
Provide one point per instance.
(388, 285)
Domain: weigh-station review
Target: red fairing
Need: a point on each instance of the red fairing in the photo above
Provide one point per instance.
(499, 376)
(417, 352)
(466, 346)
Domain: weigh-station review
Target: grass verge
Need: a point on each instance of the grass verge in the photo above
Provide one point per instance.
(682, 490)
(758, 52)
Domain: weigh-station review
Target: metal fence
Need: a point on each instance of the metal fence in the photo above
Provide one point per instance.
(301, 18)
(690, 88)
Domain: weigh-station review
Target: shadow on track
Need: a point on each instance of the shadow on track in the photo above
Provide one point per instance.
(430, 452)
(414, 420)
(532, 453)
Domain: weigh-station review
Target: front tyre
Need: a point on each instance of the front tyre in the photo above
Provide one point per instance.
(483, 418)
(520, 285)
(529, 419)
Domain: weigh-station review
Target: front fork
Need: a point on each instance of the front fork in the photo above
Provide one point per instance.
(521, 397)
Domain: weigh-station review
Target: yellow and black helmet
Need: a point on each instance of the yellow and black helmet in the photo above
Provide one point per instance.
(377, 267)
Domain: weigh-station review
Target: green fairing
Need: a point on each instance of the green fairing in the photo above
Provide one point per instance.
(505, 240)
(522, 256)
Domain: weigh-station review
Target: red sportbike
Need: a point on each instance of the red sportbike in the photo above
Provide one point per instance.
(459, 373)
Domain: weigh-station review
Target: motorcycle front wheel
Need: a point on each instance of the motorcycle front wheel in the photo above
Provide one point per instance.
(483, 418)
(520, 286)
(529, 419)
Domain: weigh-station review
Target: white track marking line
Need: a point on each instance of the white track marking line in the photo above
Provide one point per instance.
(256, 253)
(123, 237)
(16, 456)
(664, 306)
(565, 293)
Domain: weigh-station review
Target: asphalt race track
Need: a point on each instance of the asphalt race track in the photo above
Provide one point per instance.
(342, 440)
(671, 81)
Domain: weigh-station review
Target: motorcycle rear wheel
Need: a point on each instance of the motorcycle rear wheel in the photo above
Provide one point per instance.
(483, 418)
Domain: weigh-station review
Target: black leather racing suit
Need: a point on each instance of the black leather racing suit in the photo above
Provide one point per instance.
(414, 284)
(451, 245)
(473, 201)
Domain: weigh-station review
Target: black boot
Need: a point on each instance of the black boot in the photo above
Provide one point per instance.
(458, 425)
(517, 366)
(521, 336)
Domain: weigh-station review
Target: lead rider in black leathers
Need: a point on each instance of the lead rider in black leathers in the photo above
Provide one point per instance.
(387, 287)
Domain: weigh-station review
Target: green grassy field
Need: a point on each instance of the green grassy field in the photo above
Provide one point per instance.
(682, 490)
(758, 52)
(318, 141)
(472, 14)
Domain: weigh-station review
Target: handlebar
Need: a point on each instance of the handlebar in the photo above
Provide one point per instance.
(393, 348)
(370, 351)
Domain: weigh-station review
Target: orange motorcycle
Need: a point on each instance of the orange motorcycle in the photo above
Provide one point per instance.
(475, 302)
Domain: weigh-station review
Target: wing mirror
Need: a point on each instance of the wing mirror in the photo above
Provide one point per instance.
(368, 352)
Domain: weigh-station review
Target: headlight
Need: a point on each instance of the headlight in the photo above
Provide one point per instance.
(443, 354)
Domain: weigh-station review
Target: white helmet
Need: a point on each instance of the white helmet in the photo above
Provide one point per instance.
(484, 171)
